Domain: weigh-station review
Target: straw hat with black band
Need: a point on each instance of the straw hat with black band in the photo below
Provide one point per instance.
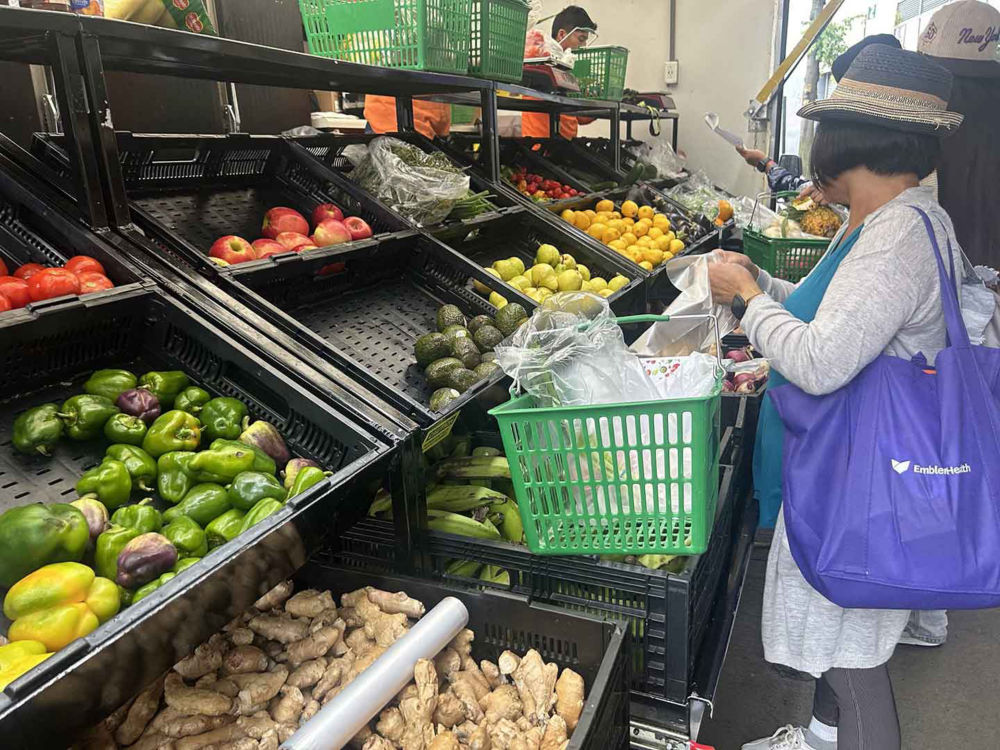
(893, 88)
(962, 37)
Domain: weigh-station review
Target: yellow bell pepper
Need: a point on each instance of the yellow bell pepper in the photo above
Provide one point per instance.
(18, 657)
(59, 603)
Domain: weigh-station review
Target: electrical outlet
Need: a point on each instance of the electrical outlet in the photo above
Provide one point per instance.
(670, 72)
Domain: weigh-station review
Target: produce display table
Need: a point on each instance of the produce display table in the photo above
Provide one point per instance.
(320, 344)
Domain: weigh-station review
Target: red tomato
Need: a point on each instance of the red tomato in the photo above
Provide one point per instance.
(83, 264)
(94, 282)
(15, 290)
(4, 304)
(52, 282)
(3, 267)
(28, 270)
(566, 188)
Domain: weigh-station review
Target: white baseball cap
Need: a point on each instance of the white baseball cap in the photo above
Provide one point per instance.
(963, 36)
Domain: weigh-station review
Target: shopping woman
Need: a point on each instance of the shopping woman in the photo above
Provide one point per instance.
(876, 291)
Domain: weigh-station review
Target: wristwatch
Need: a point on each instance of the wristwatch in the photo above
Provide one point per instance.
(739, 305)
(763, 164)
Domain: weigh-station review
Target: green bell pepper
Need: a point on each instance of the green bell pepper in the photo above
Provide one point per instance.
(261, 462)
(166, 386)
(141, 466)
(174, 431)
(85, 415)
(173, 478)
(143, 591)
(184, 563)
(266, 507)
(187, 536)
(223, 418)
(222, 464)
(110, 481)
(225, 528)
(35, 535)
(142, 517)
(37, 430)
(109, 544)
(109, 383)
(124, 428)
(306, 478)
(202, 504)
(250, 487)
(192, 399)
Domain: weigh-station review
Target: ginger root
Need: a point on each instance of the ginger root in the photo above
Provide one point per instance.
(190, 700)
(220, 736)
(449, 712)
(308, 673)
(502, 703)
(536, 682)
(275, 597)
(315, 645)
(257, 688)
(286, 708)
(172, 723)
(139, 714)
(244, 659)
(309, 603)
(555, 734)
(502, 734)
(417, 712)
(569, 697)
(444, 741)
(492, 674)
(508, 662)
(398, 603)
(281, 629)
(391, 724)
(375, 742)
(205, 659)
(447, 662)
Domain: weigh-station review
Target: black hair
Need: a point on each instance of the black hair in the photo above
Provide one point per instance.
(572, 17)
(840, 146)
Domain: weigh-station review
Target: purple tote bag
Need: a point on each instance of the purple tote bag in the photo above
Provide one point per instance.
(891, 485)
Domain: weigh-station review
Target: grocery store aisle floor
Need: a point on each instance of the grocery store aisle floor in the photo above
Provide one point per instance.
(946, 696)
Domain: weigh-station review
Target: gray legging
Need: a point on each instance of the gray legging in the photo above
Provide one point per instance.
(859, 702)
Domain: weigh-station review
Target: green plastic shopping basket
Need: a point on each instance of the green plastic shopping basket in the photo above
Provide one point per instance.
(496, 49)
(634, 478)
(431, 35)
(787, 258)
(600, 71)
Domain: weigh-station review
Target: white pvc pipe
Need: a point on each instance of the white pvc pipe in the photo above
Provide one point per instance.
(353, 707)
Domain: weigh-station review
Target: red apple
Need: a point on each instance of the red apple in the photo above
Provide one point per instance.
(326, 211)
(358, 228)
(331, 232)
(282, 219)
(291, 239)
(267, 248)
(304, 246)
(232, 249)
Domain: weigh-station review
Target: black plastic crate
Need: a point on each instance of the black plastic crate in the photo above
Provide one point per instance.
(45, 357)
(667, 613)
(593, 171)
(520, 233)
(365, 310)
(746, 405)
(596, 650)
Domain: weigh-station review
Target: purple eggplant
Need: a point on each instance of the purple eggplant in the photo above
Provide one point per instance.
(95, 513)
(145, 559)
(265, 437)
(139, 402)
(293, 467)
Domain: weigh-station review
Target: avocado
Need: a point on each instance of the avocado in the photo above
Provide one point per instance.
(461, 379)
(509, 317)
(442, 397)
(465, 349)
(449, 315)
(490, 357)
(485, 370)
(486, 451)
(456, 331)
(478, 322)
(431, 346)
(437, 371)
(487, 338)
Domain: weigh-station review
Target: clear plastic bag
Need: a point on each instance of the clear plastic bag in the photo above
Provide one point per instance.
(692, 376)
(661, 155)
(422, 187)
(540, 46)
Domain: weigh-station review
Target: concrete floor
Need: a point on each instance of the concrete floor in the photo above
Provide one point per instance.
(946, 697)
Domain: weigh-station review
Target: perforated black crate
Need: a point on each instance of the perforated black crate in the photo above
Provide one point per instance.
(364, 308)
(593, 171)
(667, 613)
(46, 356)
(600, 148)
(746, 405)
(521, 232)
(595, 649)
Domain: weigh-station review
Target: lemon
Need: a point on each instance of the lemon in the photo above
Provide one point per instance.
(645, 212)
(567, 215)
(603, 216)
(618, 245)
(661, 221)
(605, 205)
(654, 233)
(653, 255)
(676, 246)
(591, 213)
(518, 264)
(646, 264)
(616, 214)
(585, 287)
(506, 269)
(497, 300)
(628, 221)
(617, 283)
(610, 235)
(535, 294)
(569, 261)
(597, 283)
(597, 230)
(629, 239)
(539, 271)
(583, 271)
(606, 292)
(670, 235)
(630, 208)
(520, 282)
(544, 293)
(480, 286)
(546, 254)
(569, 281)
(662, 243)
(581, 220)
(644, 242)
(640, 229)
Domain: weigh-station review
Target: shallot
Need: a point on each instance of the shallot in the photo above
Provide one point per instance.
(738, 355)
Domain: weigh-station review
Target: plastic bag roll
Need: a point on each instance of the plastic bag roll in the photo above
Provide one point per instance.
(343, 717)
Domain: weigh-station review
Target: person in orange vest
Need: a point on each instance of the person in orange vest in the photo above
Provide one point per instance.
(430, 118)
(572, 28)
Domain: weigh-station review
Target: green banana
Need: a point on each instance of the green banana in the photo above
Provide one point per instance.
(485, 451)
(462, 498)
(510, 525)
(467, 568)
(454, 523)
(493, 574)
(490, 467)
(381, 504)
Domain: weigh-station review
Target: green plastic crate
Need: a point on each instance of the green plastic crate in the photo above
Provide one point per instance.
(496, 49)
(600, 71)
(638, 478)
(784, 258)
(431, 35)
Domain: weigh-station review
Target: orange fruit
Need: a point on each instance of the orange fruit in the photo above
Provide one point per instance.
(605, 205)
(629, 239)
(597, 230)
(645, 212)
(581, 220)
(610, 235)
(629, 208)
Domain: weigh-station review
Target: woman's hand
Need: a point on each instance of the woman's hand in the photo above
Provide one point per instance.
(752, 156)
(728, 280)
(728, 256)
(811, 191)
